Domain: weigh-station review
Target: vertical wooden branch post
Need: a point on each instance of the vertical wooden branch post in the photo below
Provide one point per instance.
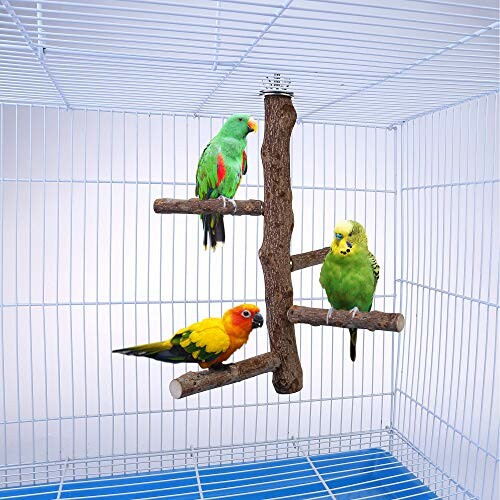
(274, 254)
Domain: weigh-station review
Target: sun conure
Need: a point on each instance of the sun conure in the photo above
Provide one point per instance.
(208, 342)
(220, 168)
(350, 273)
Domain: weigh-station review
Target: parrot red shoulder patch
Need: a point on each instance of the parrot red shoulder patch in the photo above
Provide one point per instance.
(221, 169)
(244, 163)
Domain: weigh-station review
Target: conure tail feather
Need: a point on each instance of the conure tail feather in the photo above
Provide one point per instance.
(168, 351)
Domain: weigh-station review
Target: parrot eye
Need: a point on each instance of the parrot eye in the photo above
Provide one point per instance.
(350, 234)
(240, 119)
(246, 314)
(338, 236)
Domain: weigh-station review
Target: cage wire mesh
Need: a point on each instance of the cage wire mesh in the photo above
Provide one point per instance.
(104, 108)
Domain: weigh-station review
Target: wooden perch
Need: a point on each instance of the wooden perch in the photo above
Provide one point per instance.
(274, 254)
(195, 382)
(373, 320)
(215, 206)
(308, 259)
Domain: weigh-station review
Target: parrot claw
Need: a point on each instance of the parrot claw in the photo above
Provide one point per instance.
(354, 310)
(225, 200)
(329, 313)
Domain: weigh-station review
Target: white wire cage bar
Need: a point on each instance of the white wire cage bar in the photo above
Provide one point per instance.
(446, 395)
(365, 62)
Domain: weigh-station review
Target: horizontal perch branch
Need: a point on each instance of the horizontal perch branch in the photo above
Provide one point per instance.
(373, 320)
(308, 259)
(215, 206)
(195, 382)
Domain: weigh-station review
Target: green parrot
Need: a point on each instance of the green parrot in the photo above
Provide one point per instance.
(220, 168)
(350, 273)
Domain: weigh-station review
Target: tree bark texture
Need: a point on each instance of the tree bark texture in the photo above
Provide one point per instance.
(215, 206)
(274, 254)
(373, 320)
(308, 259)
(195, 382)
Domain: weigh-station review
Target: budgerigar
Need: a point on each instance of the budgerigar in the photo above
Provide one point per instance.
(208, 342)
(350, 273)
(220, 168)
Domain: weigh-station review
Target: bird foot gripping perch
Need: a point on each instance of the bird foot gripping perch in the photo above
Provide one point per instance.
(230, 200)
(373, 320)
(329, 313)
(353, 311)
(332, 309)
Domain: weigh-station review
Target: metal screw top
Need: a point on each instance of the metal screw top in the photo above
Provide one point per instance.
(276, 85)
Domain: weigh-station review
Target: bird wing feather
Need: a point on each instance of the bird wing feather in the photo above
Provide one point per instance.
(375, 268)
(323, 272)
(205, 340)
(206, 174)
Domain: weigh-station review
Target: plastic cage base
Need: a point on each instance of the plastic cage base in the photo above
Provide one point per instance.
(370, 473)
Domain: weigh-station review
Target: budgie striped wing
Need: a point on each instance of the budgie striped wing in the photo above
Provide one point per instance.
(375, 268)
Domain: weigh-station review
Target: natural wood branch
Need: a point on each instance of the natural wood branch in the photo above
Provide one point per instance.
(308, 259)
(215, 206)
(195, 382)
(373, 320)
(274, 253)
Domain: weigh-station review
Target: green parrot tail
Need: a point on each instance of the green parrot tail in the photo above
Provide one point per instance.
(352, 344)
(213, 228)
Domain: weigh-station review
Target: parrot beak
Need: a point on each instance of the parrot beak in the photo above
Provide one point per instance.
(257, 321)
(345, 247)
(252, 125)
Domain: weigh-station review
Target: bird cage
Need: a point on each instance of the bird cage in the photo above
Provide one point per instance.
(376, 111)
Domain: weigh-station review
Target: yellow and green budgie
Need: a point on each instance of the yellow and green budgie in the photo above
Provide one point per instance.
(220, 168)
(350, 273)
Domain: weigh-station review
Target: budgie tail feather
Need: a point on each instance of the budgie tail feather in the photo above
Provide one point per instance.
(354, 336)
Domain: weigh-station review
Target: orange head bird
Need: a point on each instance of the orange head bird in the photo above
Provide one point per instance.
(208, 342)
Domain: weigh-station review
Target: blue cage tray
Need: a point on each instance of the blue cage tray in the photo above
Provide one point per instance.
(371, 473)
